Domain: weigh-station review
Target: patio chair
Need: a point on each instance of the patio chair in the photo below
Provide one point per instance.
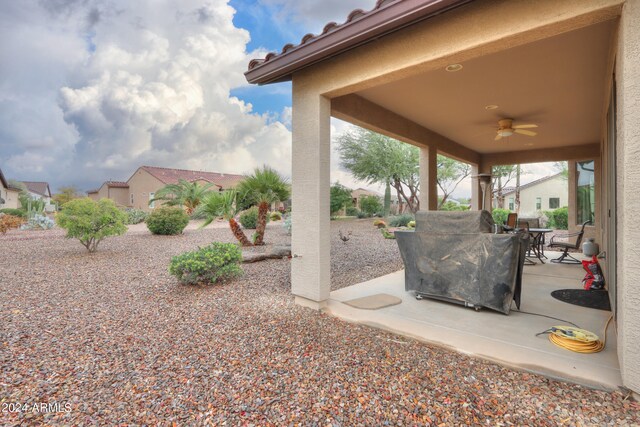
(573, 241)
(511, 223)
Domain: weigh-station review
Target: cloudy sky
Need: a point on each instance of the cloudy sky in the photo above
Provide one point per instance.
(92, 89)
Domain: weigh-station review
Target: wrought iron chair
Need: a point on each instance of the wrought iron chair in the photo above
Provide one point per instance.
(573, 242)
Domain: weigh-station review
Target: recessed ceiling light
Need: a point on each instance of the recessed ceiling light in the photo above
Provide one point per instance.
(529, 144)
(491, 107)
(452, 68)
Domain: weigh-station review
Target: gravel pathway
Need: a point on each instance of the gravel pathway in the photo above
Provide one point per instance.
(112, 339)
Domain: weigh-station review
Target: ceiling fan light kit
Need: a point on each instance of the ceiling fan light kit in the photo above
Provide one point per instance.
(506, 128)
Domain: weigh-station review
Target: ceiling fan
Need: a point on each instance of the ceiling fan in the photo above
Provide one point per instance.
(506, 128)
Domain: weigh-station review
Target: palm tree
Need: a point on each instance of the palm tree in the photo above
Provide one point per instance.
(184, 193)
(217, 205)
(263, 187)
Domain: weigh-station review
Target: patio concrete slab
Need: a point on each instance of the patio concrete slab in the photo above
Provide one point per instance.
(507, 339)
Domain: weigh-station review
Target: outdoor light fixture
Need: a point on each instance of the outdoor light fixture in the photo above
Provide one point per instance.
(491, 107)
(452, 68)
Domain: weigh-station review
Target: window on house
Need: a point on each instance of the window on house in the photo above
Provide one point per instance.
(585, 194)
(538, 203)
(131, 198)
(152, 204)
(512, 205)
(554, 202)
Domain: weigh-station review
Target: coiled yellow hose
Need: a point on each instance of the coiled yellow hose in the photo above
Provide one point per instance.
(578, 340)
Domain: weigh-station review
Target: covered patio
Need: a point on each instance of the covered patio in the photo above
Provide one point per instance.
(510, 340)
(440, 75)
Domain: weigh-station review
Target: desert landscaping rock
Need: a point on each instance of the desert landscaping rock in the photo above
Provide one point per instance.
(115, 337)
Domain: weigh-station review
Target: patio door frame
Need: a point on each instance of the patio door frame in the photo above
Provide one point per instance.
(611, 198)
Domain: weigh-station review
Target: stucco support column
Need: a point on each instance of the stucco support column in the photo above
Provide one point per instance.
(310, 240)
(476, 190)
(628, 198)
(428, 179)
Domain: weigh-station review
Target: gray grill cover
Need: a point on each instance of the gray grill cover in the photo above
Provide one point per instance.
(454, 255)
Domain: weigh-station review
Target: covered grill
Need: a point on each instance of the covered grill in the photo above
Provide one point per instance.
(454, 256)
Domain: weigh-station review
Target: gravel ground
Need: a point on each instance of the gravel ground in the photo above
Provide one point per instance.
(112, 339)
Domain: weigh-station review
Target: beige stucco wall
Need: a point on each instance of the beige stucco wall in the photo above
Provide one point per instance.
(119, 195)
(628, 197)
(141, 184)
(555, 187)
(10, 197)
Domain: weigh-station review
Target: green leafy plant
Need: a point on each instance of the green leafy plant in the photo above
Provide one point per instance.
(370, 205)
(90, 221)
(286, 224)
(14, 212)
(400, 220)
(249, 218)
(387, 234)
(411, 224)
(275, 216)
(216, 205)
(263, 187)
(558, 218)
(135, 216)
(167, 221)
(218, 262)
(184, 193)
(352, 211)
(340, 197)
(500, 215)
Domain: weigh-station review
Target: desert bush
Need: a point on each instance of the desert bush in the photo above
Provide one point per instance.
(400, 220)
(558, 218)
(218, 262)
(167, 221)
(8, 222)
(275, 216)
(370, 204)
(249, 218)
(38, 222)
(362, 214)
(352, 211)
(90, 221)
(500, 215)
(135, 216)
(379, 223)
(453, 206)
(14, 212)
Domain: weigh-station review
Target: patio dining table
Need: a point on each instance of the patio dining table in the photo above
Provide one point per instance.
(538, 240)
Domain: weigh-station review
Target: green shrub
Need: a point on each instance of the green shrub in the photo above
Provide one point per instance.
(411, 224)
(167, 220)
(370, 205)
(22, 213)
(217, 262)
(400, 220)
(363, 215)
(558, 218)
(249, 218)
(275, 216)
(135, 216)
(453, 206)
(500, 215)
(352, 211)
(90, 221)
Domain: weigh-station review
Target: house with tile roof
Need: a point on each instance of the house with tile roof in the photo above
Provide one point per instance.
(8, 194)
(147, 180)
(544, 194)
(38, 190)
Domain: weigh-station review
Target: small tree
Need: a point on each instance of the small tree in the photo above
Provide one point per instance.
(216, 205)
(65, 195)
(370, 205)
(184, 193)
(90, 221)
(340, 197)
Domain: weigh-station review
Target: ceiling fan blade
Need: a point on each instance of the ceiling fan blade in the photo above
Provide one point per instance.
(525, 132)
(525, 126)
(498, 137)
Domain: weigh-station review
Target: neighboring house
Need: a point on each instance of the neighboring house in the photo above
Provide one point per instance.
(359, 193)
(544, 194)
(458, 78)
(39, 190)
(145, 182)
(8, 195)
(115, 190)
